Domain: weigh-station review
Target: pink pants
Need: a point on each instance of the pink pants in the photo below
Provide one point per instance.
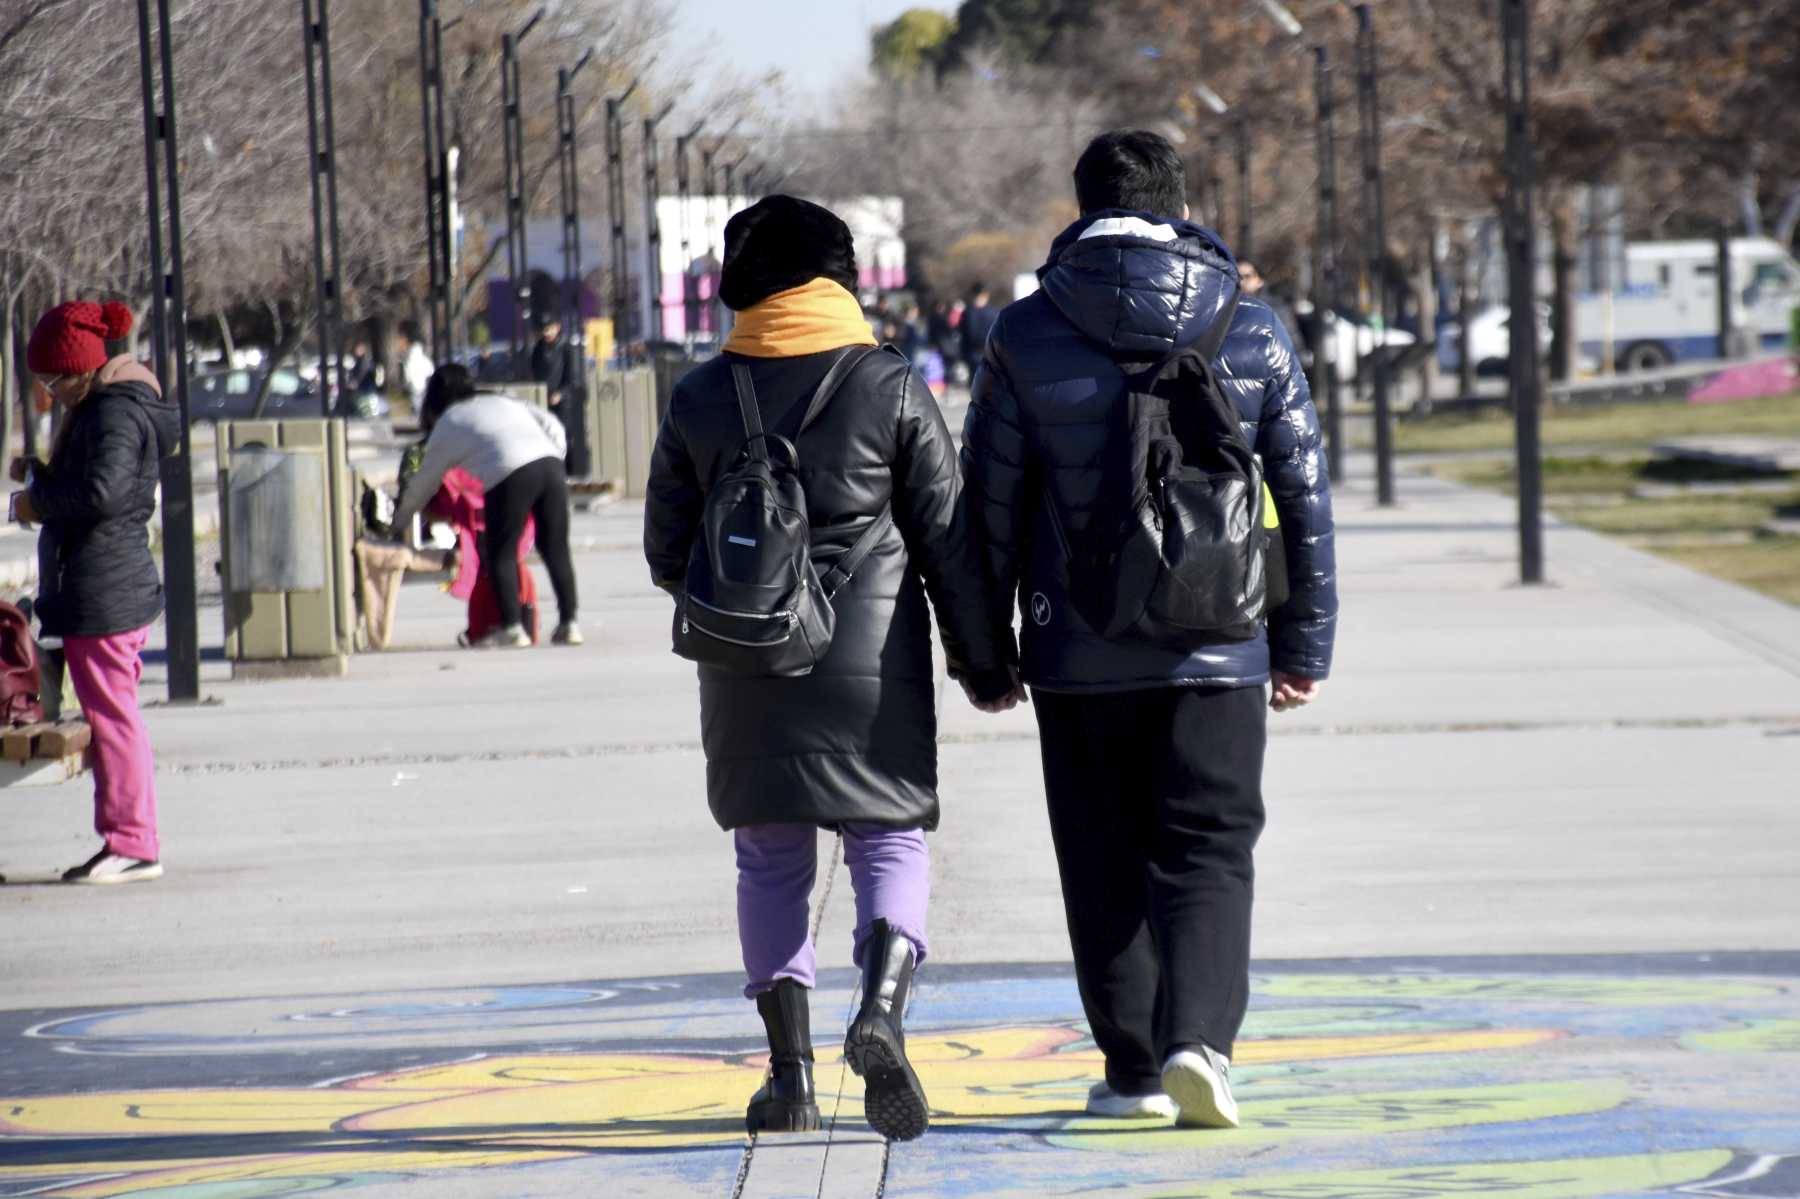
(106, 671)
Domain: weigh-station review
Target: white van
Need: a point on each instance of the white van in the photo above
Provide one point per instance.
(1666, 309)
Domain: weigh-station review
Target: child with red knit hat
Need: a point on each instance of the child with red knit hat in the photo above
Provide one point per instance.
(98, 586)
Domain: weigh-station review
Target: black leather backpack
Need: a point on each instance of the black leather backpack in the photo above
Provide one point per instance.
(754, 603)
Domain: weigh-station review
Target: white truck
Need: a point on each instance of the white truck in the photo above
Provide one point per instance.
(1666, 308)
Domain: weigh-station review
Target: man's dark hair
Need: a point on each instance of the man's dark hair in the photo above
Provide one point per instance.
(1132, 169)
(410, 331)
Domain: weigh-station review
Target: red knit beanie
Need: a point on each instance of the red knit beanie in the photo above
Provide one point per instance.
(71, 338)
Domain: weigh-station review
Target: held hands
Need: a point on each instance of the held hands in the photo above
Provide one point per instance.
(1005, 703)
(20, 468)
(22, 509)
(1290, 691)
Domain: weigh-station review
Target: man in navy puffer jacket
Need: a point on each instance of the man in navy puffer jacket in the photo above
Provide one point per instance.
(1153, 757)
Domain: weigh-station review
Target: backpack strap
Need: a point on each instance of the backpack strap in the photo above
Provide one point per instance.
(748, 411)
(828, 387)
(845, 568)
(850, 561)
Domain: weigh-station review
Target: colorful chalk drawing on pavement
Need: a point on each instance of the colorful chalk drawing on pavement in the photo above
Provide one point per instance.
(1354, 1086)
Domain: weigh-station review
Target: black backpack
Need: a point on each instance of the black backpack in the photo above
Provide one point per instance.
(1180, 557)
(754, 603)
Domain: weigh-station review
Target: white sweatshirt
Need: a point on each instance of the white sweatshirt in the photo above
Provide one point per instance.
(490, 436)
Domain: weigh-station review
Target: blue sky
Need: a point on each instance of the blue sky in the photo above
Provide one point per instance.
(815, 43)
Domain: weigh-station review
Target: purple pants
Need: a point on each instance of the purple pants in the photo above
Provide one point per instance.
(889, 868)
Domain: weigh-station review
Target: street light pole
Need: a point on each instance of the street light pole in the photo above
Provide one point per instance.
(1374, 207)
(615, 198)
(1325, 274)
(1521, 243)
(570, 181)
(706, 230)
(580, 458)
(690, 299)
(315, 29)
(518, 267)
(653, 271)
(168, 335)
(437, 191)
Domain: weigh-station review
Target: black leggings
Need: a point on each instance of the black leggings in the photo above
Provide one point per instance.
(539, 489)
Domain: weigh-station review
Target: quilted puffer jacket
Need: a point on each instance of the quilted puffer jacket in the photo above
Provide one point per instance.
(857, 738)
(1120, 291)
(96, 574)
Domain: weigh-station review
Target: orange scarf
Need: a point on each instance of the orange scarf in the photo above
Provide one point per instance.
(808, 319)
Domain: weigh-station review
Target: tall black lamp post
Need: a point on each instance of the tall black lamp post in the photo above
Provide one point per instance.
(1368, 83)
(684, 188)
(321, 142)
(168, 334)
(437, 178)
(570, 182)
(653, 272)
(518, 266)
(615, 200)
(1521, 263)
(1325, 274)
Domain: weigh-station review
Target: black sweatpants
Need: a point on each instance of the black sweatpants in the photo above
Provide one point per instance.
(538, 489)
(1155, 806)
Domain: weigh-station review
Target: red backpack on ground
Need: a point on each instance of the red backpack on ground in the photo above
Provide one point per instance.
(20, 679)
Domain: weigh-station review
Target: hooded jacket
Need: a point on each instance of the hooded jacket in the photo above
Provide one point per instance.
(1120, 291)
(96, 575)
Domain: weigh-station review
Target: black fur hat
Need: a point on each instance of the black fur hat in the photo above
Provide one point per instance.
(781, 242)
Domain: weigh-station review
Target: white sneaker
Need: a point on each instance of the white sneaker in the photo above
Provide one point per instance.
(567, 633)
(1108, 1104)
(1200, 1084)
(513, 636)
(107, 867)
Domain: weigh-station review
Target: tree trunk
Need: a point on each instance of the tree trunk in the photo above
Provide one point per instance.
(1562, 298)
(1428, 313)
(290, 341)
(1465, 318)
(28, 425)
(225, 341)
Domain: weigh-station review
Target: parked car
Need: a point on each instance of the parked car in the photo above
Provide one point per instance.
(231, 395)
(1490, 339)
(1354, 339)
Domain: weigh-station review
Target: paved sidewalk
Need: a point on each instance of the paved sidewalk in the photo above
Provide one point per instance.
(1507, 798)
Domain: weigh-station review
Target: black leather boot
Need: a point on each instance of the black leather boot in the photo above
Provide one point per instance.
(875, 1046)
(786, 1102)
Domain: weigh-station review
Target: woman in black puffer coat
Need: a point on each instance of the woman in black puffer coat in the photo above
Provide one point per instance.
(98, 586)
(853, 745)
